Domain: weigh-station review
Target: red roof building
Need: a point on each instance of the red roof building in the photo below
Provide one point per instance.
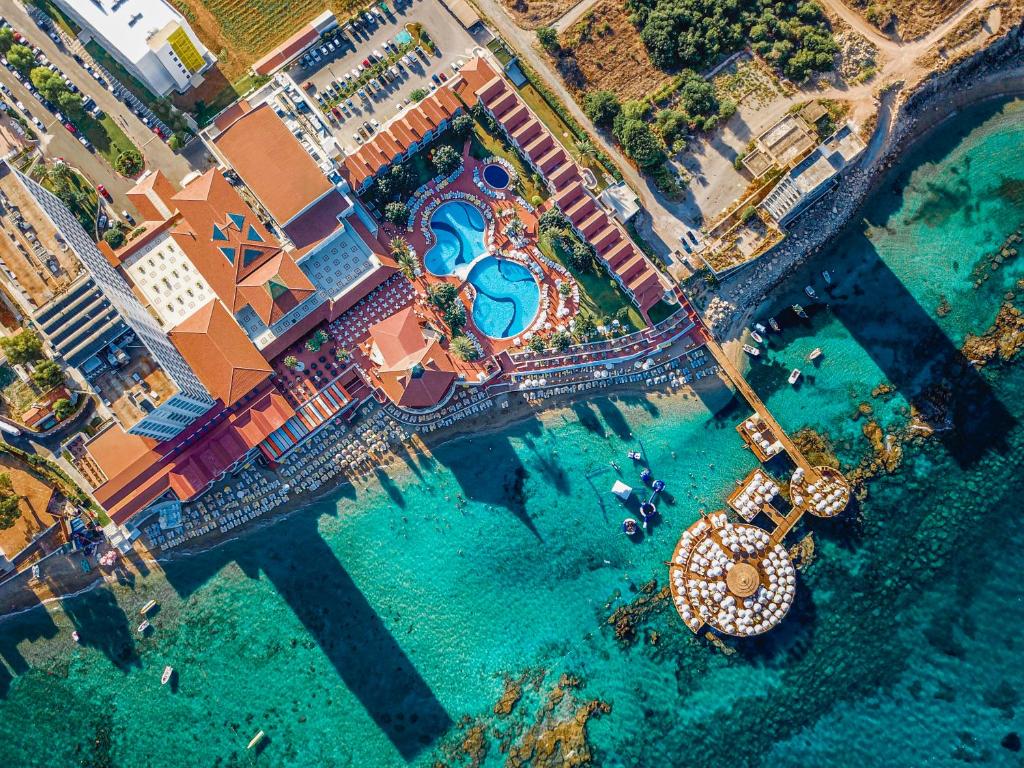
(413, 368)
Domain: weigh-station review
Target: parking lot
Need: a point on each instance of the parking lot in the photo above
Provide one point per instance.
(359, 44)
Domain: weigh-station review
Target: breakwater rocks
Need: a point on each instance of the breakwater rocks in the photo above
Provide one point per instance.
(1002, 342)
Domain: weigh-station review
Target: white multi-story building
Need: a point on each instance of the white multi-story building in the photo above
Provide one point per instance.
(148, 37)
(163, 395)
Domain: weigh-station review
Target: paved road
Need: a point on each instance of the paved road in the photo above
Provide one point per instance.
(157, 153)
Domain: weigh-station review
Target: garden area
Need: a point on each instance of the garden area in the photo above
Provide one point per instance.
(73, 189)
(25, 348)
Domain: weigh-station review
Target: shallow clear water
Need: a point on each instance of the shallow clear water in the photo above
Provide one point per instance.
(459, 229)
(364, 630)
(507, 297)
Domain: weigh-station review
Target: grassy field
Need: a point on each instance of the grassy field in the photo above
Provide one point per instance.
(59, 17)
(600, 296)
(487, 145)
(106, 135)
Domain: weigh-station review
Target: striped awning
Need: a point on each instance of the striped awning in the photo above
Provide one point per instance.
(307, 419)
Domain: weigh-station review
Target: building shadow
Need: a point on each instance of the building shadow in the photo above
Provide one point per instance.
(102, 624)
(26, 627)
(613, 418)
(349, 631)
(389, 486)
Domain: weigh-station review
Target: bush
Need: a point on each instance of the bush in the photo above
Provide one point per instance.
(47, 375)
(446, 159)
(548, 38)
(462, 126)
(316, 341)
(419, 94)
(114, 237)
(23, 347)
(536, 344)
(397, 213)
(455, 316)
(560, 340)
(129, 163)
(463, 349)
(62, 409)
(602, 107)
(291, 362)
(748, 213)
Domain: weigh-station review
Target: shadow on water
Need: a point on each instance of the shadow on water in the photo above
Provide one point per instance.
(389, 486)
(351, 634)
(613, 418)
(102, 624)
(25, 628)
(584, 412)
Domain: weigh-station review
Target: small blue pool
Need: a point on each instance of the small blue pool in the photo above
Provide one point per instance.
(496, 176)
(403, 37)
(507, 297)
(459, 229)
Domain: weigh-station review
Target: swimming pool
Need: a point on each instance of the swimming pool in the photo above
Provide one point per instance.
(507, 297)
(496, 176)
(459, 229)
(403, 37)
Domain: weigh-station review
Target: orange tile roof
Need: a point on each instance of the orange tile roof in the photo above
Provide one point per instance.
(217, 349)
(415, 371)
(476, 73)
(272, 163)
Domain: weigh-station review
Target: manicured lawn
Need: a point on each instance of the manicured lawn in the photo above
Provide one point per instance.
(59, 18)
(600, 295)
(106, 135)
(485, 145)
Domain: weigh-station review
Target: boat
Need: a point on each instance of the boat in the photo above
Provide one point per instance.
(826, 277)
(794, 375)
(147, 607)
(757, 337)
(76, 637)
(634, 455)
(255, 740)
(645, 475)
(167, 675)
(752, 351)
(815, 354)
(810, 292)
(760, 328)
(143, 627)
(799, 311)
(774, 324)
(630, 526)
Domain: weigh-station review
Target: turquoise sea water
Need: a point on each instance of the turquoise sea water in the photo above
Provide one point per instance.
(378, 627)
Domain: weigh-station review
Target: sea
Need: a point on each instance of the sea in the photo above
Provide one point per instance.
(478, 606)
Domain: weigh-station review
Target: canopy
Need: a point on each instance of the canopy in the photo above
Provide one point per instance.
(621, 490)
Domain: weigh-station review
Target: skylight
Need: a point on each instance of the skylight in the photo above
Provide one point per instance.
(229, 253)
(238, 220)
(253, 234)
(218, 233)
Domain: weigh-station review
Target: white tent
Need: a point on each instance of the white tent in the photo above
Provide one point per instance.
(622, 490)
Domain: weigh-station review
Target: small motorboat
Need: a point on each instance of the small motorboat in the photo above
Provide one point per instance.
(144, 627)
(760, 328)
(799, 311)
(647, 512)
(752, 351)
(167, 675)
(757, 337)
(634, 455)
(774, 324)
(630, 526)
(76, 637)
(810, 292)
(645, 475)
(255, 740)
(826, 277)
(815, 354)
(658, 486)
(147, 607)
(794, 375)
(615, 466)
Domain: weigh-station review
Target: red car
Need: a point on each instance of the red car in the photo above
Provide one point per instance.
(70, 128)
(103, 191)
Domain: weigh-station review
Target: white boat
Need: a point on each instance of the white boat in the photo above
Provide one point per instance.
(826, 277)
(799, 311)
(147, 607)
(794, 375)
(757, 337)
(774, 324)
(810, 292)
(760, 328)
(255, 740)
(143, 627)
(752, 351)
(166, 676)
(815, 354)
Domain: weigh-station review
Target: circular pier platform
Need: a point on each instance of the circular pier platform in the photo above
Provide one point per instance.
(730, 577)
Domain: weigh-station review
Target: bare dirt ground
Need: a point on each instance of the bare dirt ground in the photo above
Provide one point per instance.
(530, 14)
(35, 497)
(609, 53)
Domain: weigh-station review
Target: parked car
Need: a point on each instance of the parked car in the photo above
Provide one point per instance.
(85, 143)
(71, 128)
(436, 78)
(104, 192)
(127, 217)
(358, 138)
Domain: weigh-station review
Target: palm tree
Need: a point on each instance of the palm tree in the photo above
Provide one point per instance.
(407, 265)
(399, 245)
(585, 149)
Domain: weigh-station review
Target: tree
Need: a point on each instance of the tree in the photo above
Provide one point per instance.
(552, 221)
(579, 255)
(446, 159)
(291, 362)
(21, 58)
(748, 213)
(71, 104)
(47, 375)
(462, 126)
(407, 265)
(463, 349)
(585, 149)
(455, 316)
(560, 340)
(419, 94)
(23, 347)
(398, 245)
(698, 96)
(114, 237)
(397, 213)
(548, 38)
(62, 409)
(641, 144)
(602, 107)
(442, 295)
(584, 326)
(6, 40)
(129, 163)
(176, 142)
(10, 501)
(536, 344)
(49, 83)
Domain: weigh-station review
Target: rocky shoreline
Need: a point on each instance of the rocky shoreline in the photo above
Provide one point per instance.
(997, 71)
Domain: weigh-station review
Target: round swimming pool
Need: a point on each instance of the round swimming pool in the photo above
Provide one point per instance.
(496, 176)
(459, 229)
(507, 297)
